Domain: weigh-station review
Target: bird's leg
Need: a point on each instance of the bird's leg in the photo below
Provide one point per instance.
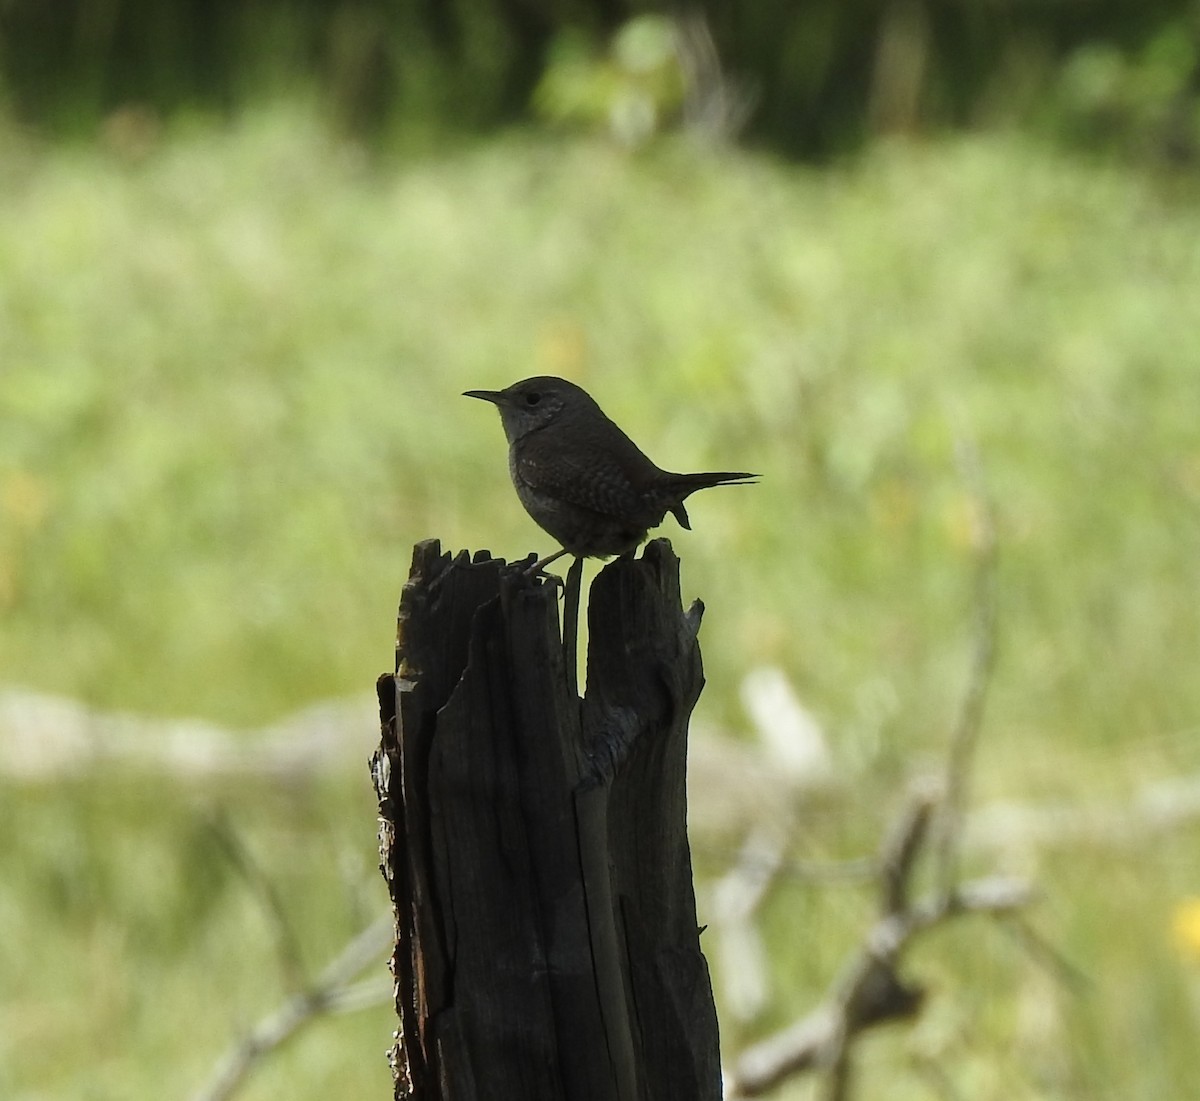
(571, 625)
(539, 567)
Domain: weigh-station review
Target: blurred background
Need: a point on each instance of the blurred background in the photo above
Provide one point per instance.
(251, 254)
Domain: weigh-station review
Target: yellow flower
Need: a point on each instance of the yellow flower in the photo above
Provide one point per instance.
(1185, 925)
(24, 498)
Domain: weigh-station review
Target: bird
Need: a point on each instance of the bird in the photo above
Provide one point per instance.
(582, 479)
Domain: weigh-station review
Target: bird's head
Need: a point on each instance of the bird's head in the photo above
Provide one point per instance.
(533, 403)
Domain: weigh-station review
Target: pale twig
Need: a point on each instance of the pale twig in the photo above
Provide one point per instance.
(969, 722)
(735, 900)
(333, 992)
(1045, 953)
(1156, 808)
(287, 944)
(850, 872)
(935, 1074)
(715, 106)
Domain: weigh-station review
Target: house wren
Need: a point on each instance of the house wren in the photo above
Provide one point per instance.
(580, 477)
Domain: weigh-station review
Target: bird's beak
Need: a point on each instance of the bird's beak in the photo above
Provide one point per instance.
(494, 396)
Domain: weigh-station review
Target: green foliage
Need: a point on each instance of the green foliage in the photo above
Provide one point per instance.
(230, 363)
(1142, 103)
(631, 90)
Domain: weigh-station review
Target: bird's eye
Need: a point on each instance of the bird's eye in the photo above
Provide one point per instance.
(532, 399)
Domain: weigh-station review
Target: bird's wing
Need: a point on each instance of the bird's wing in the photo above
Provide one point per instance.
(589, 477)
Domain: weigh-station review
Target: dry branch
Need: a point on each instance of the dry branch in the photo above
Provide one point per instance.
(969, 722)
(334, 991)
(870, 990)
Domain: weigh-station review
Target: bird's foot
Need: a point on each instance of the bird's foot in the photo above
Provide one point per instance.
(537, 568)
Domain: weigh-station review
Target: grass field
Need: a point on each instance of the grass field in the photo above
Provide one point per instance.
(230, 362)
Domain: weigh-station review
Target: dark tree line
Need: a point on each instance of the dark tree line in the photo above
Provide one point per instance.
(822, 72)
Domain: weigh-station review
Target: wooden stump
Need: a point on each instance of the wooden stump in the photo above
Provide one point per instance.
(534, 844)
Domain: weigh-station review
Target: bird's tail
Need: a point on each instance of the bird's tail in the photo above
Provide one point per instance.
(685, 484)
